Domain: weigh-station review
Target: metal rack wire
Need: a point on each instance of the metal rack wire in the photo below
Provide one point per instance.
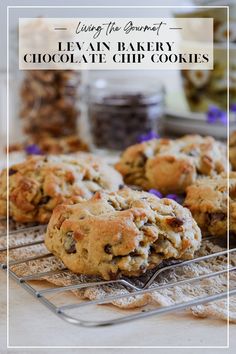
(72, 311)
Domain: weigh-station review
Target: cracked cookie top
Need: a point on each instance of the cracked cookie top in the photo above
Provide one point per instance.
(121, 233)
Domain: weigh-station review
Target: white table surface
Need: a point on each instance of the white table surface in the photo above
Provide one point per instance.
(31, 324)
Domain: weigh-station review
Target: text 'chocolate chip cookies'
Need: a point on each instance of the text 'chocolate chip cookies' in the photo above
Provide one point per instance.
(121, 233)
(171, 165)
(39, 184)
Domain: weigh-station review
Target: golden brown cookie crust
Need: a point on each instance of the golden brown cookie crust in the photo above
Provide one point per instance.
(207, 199)
(171, 165)
(39, 184)
(121, 233)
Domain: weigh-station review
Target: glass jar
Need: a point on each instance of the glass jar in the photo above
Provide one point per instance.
(49, 103)
(120, 111)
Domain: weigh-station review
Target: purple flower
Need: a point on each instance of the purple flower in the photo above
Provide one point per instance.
(224, 118)
(215, 115)
(156, 193)
(233, 107)
(33, 150)
(174, 197)
(149, 136)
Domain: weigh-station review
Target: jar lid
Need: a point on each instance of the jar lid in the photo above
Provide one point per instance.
(126, 91)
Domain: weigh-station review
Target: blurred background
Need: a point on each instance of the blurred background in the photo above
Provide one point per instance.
(66, 111)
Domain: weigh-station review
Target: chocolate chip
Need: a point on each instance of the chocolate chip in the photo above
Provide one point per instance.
(69, 243)
(12, 171)
(134, 253)
(44, 200)
(175, 222)
(108, 249)
(151, 250)
(217, 216)
(141, 160)
(121, 186)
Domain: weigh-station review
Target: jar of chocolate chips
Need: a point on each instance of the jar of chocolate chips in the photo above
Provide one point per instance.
(120, 111)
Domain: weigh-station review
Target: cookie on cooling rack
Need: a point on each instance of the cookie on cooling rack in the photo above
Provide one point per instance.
(207, 199)
(121, 233)
(232, 149)
(40, 183)
(171, 165)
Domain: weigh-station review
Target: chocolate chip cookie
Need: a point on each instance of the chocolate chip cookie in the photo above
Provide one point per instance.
(207, 199)
(40, 183)
(121, 233)
(171, 165)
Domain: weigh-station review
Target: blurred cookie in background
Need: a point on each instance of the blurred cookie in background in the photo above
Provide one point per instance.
(171, 165)
(207, 199)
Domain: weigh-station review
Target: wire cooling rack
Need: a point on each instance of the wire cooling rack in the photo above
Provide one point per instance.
(86, 312)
